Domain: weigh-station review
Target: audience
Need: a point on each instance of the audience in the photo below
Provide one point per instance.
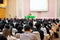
(26, 27)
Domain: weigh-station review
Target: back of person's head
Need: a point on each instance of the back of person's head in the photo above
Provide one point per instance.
(38, 26)
(2, 37)
(20, 27)
(31, 24)
(57, 20)
(6, 32)
(44, 24)
(54, 21)
(7, 26)
(27, 28)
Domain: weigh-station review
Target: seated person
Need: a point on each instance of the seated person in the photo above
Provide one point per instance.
(38, 26)
(2, 37)
(27, 35)
(6, 32)
(19, 28)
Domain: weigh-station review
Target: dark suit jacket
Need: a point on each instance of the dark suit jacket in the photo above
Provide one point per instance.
(2, 37)
(41, 34)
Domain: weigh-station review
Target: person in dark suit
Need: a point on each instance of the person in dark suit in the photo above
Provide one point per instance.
(31, 23)
(38, 26)
(19, 28)
(2, 37)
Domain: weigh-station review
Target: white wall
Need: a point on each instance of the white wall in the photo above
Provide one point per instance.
(11, 8)
(58, 8)
(20, 8)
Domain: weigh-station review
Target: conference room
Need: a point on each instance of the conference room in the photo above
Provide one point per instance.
(29, 19)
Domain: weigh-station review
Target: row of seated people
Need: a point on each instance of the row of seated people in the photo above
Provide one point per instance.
(27, 27)
(15, 22)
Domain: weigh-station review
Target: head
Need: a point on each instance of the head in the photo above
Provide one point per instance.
(38, 25)
(6, 32)
(7, 26)
(57, 20)
(53, 24)
(31, 24)
(27, 28)
(20, 27)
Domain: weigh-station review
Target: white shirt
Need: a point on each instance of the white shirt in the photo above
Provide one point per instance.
(44, 30)
(28, 36)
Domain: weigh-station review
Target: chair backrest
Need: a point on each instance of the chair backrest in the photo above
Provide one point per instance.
(11, 38)
(37, 34)
(18, 35)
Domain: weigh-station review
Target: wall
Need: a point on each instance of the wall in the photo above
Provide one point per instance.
(50, 13)
(58, 8)
(11, 9)
(20, 8)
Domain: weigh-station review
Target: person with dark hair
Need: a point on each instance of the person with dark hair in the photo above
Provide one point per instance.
(19, 29)
(54, 24)
(57, 21)
(1, 27)
(27, 28)
(6, 32)
(27, 35)
(2, 37)
(6, 26)
(31, 23)
(9, 27)
(38, 26)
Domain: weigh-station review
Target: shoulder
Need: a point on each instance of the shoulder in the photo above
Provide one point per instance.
(2, 37)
